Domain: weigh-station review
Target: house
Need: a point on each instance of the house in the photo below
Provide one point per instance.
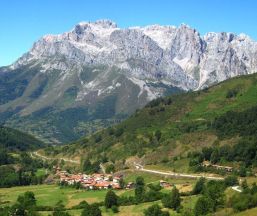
(130, 185)
(218, 167)
(116, 179)
(206, 163)
(226, 168)
(103, 185)
(116, 186)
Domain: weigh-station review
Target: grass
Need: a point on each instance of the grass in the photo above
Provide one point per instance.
(41, 172)
(49, 195)
(133, 210)
(181, 166)
(130, 176)
(154, 178)
(249, 212)
(189, 202)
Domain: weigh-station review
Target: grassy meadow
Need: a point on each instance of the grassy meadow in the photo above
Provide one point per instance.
(50, 195)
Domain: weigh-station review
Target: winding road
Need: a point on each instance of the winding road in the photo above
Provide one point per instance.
(141, 168)
(36, 154)
(173, 174)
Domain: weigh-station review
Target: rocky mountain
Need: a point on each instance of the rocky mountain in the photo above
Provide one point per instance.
(97, 74)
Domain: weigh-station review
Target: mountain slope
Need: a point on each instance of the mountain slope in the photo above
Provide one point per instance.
(176, 125)
(12, 140)
(97, 74)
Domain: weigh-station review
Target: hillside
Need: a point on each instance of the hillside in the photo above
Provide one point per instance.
(17, 167)
(97, 74)
(171, 127)
(12, 140)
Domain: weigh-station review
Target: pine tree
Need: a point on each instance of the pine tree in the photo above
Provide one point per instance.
(203, 206)
(139, 189)
(111, 199)
(172, 200)
(199, 186)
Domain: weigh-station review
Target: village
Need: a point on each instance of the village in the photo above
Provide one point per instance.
(97, 181)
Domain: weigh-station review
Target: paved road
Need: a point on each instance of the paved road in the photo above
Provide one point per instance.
(33, 154)
(173, 174)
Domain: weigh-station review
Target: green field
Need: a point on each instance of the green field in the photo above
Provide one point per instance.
(133, 210)
(49, 195)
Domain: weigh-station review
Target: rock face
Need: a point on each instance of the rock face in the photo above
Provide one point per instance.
(98, 71)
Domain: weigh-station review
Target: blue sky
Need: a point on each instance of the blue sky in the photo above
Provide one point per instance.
(22, 22)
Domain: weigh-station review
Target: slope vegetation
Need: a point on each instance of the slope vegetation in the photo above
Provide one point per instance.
(12, 139)
(171, 127)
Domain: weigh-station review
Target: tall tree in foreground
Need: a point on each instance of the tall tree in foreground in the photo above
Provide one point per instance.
(140, 189)
(203, 206)
(111, 199)
(199, 186)
(172, 200)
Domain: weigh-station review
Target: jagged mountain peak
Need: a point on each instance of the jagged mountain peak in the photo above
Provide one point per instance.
(104, 23)
(171, 50)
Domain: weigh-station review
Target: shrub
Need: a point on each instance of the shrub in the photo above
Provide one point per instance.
(91, 210)
(110, 168)
(231, 181)
(115, 209)
(155, 210)
(119, 132)
(232, 93)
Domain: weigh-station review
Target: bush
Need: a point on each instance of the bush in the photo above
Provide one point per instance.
(98, 138)
(232, 93)
(60, 213)
(155, 210)
(91, 210)
(115, 209)
(81, 205)
(110, 168)
(119, 132)
(158, 134)
(231, 181)
(241, 202)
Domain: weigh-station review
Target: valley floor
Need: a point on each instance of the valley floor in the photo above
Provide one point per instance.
(49, 195)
